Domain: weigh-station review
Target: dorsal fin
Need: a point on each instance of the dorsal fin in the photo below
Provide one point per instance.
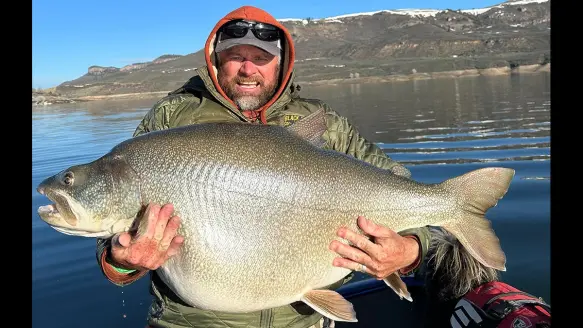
(311, 128)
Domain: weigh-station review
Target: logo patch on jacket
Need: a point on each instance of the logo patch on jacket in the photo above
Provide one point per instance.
(290, 119)
(521, 322)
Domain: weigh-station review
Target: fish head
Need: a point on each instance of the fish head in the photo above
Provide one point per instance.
(97, 199)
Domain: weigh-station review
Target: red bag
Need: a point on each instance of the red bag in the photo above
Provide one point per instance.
(496, 304)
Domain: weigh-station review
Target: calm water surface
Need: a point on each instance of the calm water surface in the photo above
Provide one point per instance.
(437, 128)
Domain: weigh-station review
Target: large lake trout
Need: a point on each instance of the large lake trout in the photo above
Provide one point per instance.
(259, 206)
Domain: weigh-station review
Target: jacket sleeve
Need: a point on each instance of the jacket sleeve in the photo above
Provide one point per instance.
(162, 114)
(159, 117)
(117, 276)
(342, 136)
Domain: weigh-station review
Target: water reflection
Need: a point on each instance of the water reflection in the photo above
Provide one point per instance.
(451, 116)
(355, 89)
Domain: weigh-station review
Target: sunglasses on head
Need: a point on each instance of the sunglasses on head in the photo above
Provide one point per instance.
(262, 31)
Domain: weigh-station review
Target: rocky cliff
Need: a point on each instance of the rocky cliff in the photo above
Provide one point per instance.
(375, 44)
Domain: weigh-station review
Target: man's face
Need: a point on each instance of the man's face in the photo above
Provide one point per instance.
(248, 75)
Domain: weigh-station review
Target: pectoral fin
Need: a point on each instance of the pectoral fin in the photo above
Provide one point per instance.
(330, 304)
(398, 286)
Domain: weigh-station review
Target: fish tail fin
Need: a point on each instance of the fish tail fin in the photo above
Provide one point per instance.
(479, 190)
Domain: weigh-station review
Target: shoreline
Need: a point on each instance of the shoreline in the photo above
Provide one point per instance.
(124, 95)
(493, 71)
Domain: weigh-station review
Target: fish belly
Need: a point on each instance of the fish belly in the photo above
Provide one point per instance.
(232, 262)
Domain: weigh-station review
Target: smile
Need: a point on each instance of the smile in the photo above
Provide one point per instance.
(248, 85)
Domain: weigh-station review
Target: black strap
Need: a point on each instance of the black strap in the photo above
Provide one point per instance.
(508, 294)
(502, 309)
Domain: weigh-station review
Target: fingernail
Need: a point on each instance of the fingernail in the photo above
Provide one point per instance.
(332, 246)
(341, 232)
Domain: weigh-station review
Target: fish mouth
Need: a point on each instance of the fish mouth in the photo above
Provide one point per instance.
(48, 211)
(59, 212)
(61, 216)
(51, 215)
(81, 233)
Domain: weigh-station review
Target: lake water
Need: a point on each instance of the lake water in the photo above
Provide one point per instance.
(437, 128)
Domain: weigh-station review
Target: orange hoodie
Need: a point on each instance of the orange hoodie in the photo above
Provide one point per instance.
(258, 15)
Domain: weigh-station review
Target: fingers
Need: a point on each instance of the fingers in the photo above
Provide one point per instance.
(171, 251)
(155, 243)
(163, 217)
(174, 247)
(349, 264)
(169, 233)
(151, 217)
(352, 258)
(380, 255)
(351, 253)
(373, 229)
(121, 240)
(359, 241)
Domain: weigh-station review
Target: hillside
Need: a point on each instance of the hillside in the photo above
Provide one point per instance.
(363, 45)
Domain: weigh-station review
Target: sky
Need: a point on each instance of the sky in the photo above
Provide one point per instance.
(69, 36)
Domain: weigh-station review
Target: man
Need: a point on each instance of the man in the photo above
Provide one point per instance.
(248, 77)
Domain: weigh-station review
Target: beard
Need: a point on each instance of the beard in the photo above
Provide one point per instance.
(244, 101)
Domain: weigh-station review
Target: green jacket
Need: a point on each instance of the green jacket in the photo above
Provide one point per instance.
(197, 101)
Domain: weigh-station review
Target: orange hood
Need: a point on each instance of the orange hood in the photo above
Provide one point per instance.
(287, 62)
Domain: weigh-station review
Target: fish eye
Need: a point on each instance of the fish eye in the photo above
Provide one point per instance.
(68, 178)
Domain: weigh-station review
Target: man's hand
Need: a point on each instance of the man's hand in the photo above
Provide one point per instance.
(150, 249)
(386, 252)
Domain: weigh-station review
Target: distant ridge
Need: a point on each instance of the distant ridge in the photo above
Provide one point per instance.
(375, 44)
